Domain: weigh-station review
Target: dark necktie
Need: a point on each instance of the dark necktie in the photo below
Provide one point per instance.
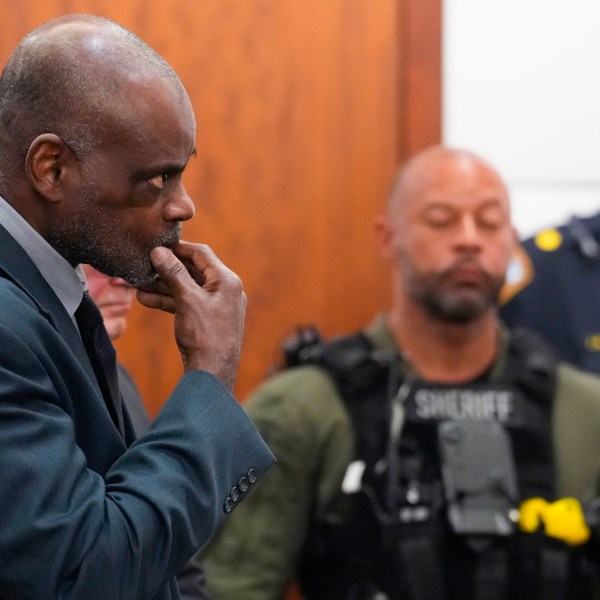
(102, 356)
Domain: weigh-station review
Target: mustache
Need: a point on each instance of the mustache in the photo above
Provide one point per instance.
(170, 238)
(466, 261)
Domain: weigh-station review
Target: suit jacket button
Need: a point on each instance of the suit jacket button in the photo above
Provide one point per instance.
(228, 505)
(252, 476)
(234, 494)
(243, 484)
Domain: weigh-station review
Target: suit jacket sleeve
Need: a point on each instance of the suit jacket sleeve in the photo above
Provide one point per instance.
(72, 530)
(132, 401)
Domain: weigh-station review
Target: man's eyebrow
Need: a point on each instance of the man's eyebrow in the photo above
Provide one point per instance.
(436, 204)
(170, 169)
(492, 203)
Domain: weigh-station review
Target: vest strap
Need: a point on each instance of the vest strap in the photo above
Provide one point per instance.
(491, 575)
(554, 567)
(422, 568)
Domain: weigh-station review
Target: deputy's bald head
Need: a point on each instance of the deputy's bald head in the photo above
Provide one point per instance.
(441, 164)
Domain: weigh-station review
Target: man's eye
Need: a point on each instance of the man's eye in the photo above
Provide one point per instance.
(159, 181)
(438, 218)
(492, 218)
(438, 221)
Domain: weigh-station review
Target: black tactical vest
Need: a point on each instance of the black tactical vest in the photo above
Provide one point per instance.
(396, 542)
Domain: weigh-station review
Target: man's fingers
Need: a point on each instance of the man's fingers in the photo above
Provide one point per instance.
(204, 265)
(156, 287)
(170, 270)
(201, 254)
(173, 280)
(154, 300)
(200, 260)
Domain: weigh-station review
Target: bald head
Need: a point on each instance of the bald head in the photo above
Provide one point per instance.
(70, 77)
(436, 164)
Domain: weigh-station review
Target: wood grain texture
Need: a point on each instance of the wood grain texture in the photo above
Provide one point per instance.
(420, 66)
(300, 108)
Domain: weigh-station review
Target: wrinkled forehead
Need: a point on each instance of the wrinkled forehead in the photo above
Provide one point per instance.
(160, 97)
(158, 111)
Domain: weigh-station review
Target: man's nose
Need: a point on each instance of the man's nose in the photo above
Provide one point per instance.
(180, 206)
(469, 232)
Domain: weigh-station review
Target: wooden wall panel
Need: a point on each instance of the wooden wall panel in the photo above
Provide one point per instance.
(300, 109)
(420, 67)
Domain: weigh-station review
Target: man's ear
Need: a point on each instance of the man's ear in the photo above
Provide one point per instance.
(47, 163)
(383, 235)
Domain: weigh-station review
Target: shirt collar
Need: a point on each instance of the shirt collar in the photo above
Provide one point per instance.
(67, 282)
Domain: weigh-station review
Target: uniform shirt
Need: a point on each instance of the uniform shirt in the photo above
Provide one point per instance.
(304, 421)
(553, 287)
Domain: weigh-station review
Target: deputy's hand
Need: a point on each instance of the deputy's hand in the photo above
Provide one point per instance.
(209, 305)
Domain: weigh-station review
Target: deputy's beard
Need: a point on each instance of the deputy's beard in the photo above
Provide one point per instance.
(454, 304)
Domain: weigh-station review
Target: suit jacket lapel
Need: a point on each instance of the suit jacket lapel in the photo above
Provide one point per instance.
(16, 266)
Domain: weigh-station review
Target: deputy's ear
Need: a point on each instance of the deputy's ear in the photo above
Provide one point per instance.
(383, 235)
(48, 161)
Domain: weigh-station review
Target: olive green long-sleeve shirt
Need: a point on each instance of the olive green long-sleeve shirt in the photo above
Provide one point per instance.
(303, 420)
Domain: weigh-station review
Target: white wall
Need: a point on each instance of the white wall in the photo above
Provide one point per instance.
(522, 88)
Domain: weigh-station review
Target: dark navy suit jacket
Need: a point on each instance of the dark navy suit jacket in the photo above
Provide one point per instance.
(84, 516)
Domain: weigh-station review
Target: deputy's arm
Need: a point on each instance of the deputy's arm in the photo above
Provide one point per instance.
(576, 423)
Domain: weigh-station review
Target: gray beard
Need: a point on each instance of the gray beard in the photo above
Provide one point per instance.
(80, 240)
(445, 306)
(454, 306)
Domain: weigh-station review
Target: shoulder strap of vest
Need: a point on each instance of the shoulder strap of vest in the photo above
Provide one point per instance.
(352, 362)
(357, 367)
(531, 364)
